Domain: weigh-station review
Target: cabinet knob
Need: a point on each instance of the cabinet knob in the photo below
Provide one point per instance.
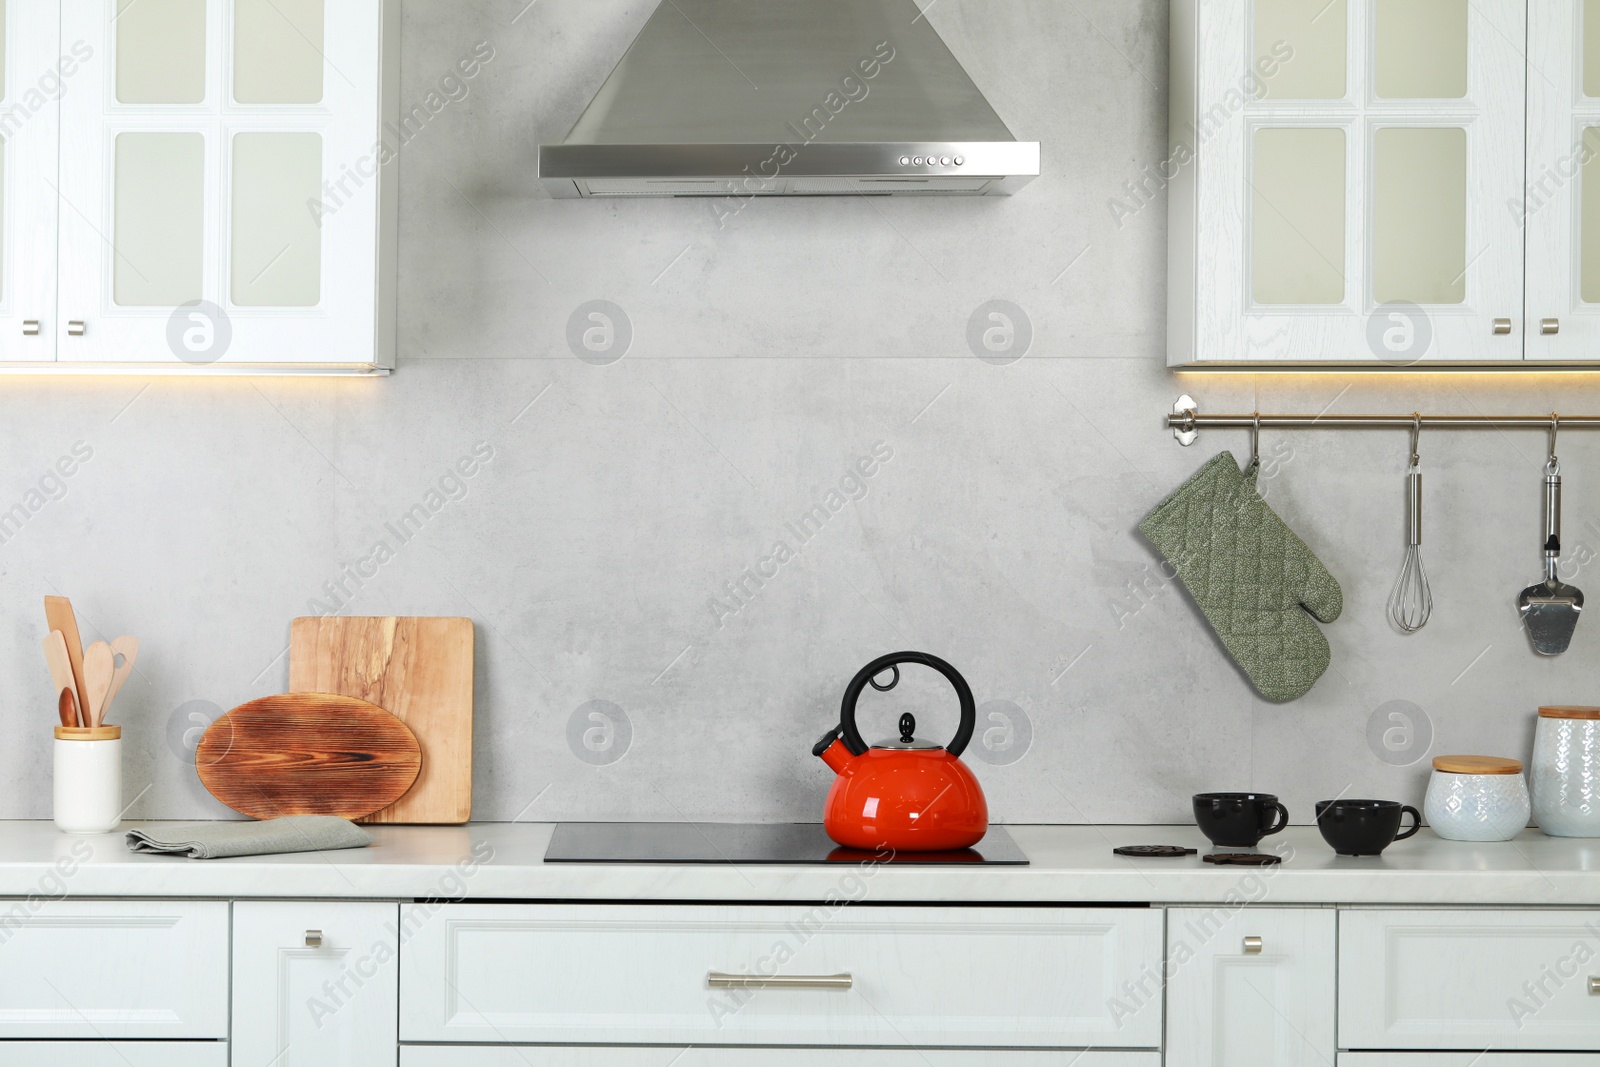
(75, 328)
(1549, 327)
(30, 328)
(313, 939)
(1252, 946)
(1594, 986)
(1502, 327)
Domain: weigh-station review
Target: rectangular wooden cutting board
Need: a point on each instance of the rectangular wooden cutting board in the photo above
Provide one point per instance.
(420, 669)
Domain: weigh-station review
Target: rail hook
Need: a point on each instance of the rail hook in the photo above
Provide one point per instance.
(1255, 440)
(1553, 464)
(1416, 439)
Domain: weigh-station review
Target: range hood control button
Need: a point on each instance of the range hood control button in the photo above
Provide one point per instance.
(961, 161)
(945, 161)
(905, 161)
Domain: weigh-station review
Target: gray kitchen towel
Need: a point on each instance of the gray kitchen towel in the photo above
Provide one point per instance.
(215, 840)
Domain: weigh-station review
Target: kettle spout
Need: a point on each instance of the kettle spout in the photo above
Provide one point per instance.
(833, 751)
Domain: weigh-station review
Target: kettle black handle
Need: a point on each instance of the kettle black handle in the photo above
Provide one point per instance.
(847, 709)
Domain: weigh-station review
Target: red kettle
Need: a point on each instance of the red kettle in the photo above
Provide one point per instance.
(902, 794)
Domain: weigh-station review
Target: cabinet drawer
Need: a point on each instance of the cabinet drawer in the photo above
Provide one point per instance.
(619, 974)
(113, 969)
(1469, 980)
(114, 1053)
(535, 1056)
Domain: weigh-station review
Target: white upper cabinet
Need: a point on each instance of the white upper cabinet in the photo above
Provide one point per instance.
(32, 72)
(1343, 182)
(226, 187)
(1562, 201)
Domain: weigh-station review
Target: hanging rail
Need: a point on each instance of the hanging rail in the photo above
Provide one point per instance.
(1186, 422)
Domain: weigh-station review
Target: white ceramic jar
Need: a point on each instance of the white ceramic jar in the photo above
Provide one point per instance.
(1566, 772)
(88, 779)
(1477, 798)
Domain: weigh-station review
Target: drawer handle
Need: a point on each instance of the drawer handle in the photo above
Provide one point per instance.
(30, 328)
(1594, 986)
(1252, 946)
(75, 328)
(313, 939)
(722, 980)
(1502, 327)
(1549, 327)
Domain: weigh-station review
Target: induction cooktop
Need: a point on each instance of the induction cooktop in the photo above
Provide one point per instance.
(750, 843)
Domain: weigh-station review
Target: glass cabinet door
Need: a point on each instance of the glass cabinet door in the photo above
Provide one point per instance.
(1561, 209)
(223, 175)
(33, 71)
(1354, 169)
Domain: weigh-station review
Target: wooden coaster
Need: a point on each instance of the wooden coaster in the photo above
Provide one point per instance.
(1242, 859)
(1162, 851)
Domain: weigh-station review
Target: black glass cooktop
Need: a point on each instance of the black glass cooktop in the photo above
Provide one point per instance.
(735, 843)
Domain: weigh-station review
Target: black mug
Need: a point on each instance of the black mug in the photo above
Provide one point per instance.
(1364, 827)
(1239, 820)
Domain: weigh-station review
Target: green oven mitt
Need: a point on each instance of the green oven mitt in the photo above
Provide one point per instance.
(1256, 582)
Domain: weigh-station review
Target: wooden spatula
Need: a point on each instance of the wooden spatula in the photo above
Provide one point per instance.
(99, 670)
(128, 649)
(68, 707)
(58, 614)
(55, 654)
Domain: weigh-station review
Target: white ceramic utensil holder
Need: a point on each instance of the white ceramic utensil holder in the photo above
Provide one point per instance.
(88, 779)
(1566, 772)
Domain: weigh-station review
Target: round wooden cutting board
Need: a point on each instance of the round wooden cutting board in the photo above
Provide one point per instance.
(308, 754)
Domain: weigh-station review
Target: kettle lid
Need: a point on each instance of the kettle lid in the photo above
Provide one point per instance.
(905, 742)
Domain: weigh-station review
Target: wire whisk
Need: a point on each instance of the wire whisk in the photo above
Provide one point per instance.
(1411, 601)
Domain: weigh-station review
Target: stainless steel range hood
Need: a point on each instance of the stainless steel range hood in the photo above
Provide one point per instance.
(741, 98)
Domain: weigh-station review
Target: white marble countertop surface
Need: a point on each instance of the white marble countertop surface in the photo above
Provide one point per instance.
(1070, 864)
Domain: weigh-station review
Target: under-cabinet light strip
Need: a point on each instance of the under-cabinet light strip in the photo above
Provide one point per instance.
(209, 370)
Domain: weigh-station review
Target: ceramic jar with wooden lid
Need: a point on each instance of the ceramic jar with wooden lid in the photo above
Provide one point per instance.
(88, 779)
(1477, 798)
(1566, 772)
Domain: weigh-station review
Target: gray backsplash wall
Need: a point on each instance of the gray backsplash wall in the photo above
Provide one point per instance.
(770, 352)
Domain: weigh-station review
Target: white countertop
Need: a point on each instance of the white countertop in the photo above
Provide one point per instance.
(1070, 864)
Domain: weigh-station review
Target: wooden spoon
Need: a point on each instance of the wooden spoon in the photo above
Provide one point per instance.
(55, 654)
(128, 649)
(59, 615)
(68, 707)
(99, 670)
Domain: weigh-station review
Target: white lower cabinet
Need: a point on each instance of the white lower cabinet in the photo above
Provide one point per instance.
(97, 970)
(1469, 980)
(1250, 987)
(535, 1056)
(114, 1054)
(648, 974)
(315, 984)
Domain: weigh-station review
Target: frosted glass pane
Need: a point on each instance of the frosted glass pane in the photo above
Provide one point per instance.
(1419, 195)
(1589, 219)
(3, 279)
(1297, 223)
(277, 51)
(160, 205)
(1422, 49)
(3, 93)
(1300, 48)
(161, 51)
(1591, 47)
(277, 244)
